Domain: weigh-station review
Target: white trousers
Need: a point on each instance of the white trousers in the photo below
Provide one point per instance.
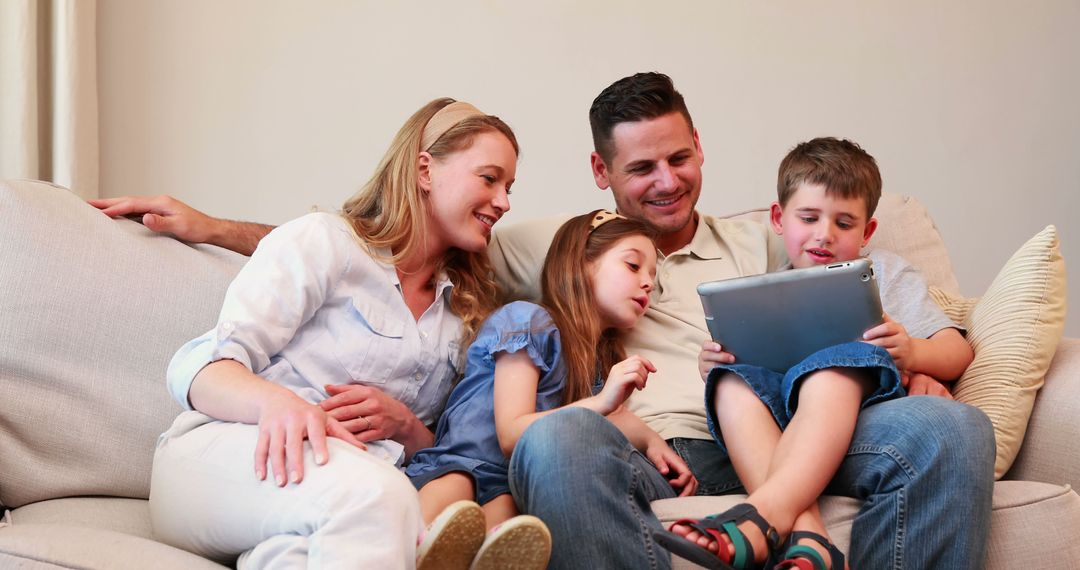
(356, 511)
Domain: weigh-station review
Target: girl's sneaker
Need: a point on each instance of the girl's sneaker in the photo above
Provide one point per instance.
(452, 539)
(521, 543)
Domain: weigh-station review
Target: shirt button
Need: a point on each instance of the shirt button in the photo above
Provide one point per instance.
(418, 376)
(423, 334)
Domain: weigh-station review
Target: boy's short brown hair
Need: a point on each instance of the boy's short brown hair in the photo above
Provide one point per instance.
(841, 166)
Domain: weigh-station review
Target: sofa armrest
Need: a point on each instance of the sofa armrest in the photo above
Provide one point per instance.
(1050, 452)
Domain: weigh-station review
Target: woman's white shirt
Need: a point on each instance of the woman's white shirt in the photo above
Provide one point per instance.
(313, 307)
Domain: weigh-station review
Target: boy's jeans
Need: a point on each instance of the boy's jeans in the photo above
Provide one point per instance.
(922, 465)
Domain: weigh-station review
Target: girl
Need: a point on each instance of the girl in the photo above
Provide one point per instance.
(530, 359)
(377, 295)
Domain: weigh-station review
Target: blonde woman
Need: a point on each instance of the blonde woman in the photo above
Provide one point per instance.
(376, 301)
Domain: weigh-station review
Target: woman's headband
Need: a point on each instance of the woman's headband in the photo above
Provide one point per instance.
(445, 119)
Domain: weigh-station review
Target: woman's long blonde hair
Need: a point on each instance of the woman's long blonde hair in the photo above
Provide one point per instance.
(390, 212)
(567, 294)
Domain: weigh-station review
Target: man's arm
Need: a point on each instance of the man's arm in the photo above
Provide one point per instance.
(165, 214)
(517, 254)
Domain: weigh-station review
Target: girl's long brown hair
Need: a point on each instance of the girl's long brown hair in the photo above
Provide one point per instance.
(567, 294)
(389, 211)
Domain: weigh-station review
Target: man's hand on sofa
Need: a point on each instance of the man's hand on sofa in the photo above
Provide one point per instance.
(371, 414)
(165, 214)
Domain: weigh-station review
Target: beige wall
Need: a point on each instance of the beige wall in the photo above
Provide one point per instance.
(259, 110)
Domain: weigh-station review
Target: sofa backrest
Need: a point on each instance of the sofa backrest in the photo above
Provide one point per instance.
(91, 311)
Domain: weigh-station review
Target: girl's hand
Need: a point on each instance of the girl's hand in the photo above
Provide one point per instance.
(624, 378)
(924, 385)
(285, 421)
(712, 354)
(672, 467)
(893, 337)
(369, 413)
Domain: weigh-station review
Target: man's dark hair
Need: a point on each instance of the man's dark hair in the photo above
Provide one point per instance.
(639, 97)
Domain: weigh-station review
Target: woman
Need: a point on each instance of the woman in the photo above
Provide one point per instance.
(382, 296)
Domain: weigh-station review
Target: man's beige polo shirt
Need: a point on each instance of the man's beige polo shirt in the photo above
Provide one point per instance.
(672, 330)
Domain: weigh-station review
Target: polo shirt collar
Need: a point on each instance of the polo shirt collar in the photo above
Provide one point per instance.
(704, 244)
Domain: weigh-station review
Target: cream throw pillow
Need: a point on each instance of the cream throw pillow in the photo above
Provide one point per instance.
(1014, 328)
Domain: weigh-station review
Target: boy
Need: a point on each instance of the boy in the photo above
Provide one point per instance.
(786, 434)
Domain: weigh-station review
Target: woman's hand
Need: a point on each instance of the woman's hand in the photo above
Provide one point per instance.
(285, 421)
(371, 414)
(893, 337)
(622, 380)
(671, 466)
(712, 354)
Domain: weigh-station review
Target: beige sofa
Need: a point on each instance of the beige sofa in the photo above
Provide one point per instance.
(91, 310)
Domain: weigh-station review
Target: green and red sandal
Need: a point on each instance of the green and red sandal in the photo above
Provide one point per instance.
(800, 557)
(716, 526)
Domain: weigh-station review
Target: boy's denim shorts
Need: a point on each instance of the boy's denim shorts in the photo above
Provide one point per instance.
(779, 391)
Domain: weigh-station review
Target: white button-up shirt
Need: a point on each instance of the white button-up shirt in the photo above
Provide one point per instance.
(313, 307)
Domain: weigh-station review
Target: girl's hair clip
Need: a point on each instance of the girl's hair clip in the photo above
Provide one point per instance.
(602, 217)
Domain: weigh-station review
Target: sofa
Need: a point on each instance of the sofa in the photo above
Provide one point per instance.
(92, 309)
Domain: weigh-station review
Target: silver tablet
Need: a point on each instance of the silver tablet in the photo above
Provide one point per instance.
(777, 319)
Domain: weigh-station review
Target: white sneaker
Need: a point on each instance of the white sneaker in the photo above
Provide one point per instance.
(521, 543)
(453, 538)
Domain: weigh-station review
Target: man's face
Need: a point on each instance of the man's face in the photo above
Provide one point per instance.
(655, 175)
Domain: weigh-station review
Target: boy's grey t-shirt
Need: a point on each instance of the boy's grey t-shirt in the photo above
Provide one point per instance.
(905, 296)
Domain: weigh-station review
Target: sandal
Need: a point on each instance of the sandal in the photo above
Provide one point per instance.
(716, 526)
(522, 543)
(802, 557)
(453, 538)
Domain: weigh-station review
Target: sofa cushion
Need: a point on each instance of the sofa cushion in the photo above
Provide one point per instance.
(1029, 521)
(53, 546)
(93, 309)
(1015, 329)
(127, 516)
(1050, 453)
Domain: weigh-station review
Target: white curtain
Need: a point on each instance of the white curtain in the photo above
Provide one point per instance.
(48, 92)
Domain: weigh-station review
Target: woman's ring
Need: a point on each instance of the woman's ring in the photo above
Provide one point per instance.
(368, 422)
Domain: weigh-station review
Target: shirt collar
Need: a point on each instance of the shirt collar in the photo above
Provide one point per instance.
(704, 244)
(443, 285)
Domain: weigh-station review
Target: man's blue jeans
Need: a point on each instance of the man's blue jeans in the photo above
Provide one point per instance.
(922, 465)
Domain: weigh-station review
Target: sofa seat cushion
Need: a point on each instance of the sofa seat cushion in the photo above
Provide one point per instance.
(128, 516)
(51, 546)
(1028, 519)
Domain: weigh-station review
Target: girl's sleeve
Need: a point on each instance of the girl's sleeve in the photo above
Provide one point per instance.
(287, 279)
(523, 326)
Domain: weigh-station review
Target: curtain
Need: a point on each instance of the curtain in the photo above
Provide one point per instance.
(48, 92)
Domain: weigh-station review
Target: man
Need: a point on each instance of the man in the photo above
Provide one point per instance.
(922, 466)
